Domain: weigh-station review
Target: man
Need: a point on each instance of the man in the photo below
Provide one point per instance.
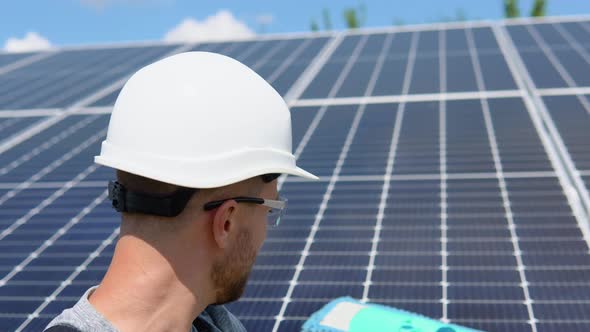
(193, 120)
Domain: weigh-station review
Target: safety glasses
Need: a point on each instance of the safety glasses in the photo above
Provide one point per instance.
(277, 207)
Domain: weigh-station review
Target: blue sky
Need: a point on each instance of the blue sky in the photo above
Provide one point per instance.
(73, 22)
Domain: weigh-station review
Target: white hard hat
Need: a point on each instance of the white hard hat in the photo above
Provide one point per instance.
(199, 120)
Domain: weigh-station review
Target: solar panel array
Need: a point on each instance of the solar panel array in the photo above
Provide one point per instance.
(454, 163)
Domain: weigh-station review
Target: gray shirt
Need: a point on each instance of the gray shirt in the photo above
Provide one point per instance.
(85, 318)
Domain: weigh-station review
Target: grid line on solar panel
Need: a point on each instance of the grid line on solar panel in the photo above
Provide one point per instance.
(523, 224)
(46, 145)
(57, 235)
(563, 91)
(564, 74)
(35, 164)
(547, 33)
(383, 199)
(7, 65)
(10, 127)
(45, 93)
(12, 226)
(581, 199)
(407, 98)
(68, 281)
(319, 215)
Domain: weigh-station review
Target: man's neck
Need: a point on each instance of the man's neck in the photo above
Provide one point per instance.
(144, 291)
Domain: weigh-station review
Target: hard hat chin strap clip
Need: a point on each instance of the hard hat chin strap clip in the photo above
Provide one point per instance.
(171, 205)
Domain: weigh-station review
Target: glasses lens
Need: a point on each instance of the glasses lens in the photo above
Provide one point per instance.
(274, 216)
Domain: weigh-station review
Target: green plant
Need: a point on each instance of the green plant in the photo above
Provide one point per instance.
(511, 8)
(355, 17)
(314, 26)
(539, 8)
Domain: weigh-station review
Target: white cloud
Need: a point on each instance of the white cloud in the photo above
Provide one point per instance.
(220, 26)
(32, 41)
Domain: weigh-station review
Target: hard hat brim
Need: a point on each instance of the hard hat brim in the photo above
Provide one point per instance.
(212, 172)
(302, 173)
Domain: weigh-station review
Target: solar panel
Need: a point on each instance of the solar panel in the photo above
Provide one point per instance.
(454, 171)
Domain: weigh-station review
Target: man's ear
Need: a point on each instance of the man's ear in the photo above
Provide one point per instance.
(223, 222)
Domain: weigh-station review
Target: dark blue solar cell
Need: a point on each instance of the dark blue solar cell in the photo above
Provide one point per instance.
(484, 39)
(258, 308)
(456, 40)
(76, 290)
(386, 259)
(575, 64)
(323, 82)
(333, 275)
(543, 73)
(10, 127)
(425, 75)
(485, 293)
(271, 246)
(55, 307)
(7, 59)
(341, 246)
(473, 246)
(277, 260)
(91, 275)
(576, 30)
(28, 289)
(468, 275)
(428, 42)
(487, 311)
(37, 324)
(572, 120)
(548, 259)
(561, 311)
(390, 80)
(407, 275)
(405, 292)
(576, 293)
(108, 100)
(47, 275)
(326, 291)
(273, 290)
(11, 323)
(302, 308)
(460, 74)
(563, 326)
(397, 233)
(337, 260)
(361, 72)
(495, 72)
(409, 245)
(22, 306)
(502, 260)
(424, 307)
(468, 148)
(554, 246)
(418, 144)
(483, 325)
(550, 35)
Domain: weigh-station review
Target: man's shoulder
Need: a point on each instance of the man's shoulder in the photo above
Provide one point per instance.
(82, 317)
(216, 318)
